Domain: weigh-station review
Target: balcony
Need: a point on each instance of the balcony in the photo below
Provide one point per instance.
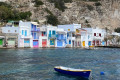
(51, 36)
(61, 37)
(27, 37)
(35, 30)
(35, 38)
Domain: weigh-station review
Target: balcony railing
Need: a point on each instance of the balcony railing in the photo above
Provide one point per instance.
(61, 38)
(52, 36)
(35, 30)
(37, 37)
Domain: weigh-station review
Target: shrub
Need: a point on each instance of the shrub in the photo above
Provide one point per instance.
(51, 19)
(38, 3)
(117, 30)
(97, 4)
(90, 7)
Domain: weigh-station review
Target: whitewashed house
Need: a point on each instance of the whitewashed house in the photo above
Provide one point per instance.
(11, 35)
(52, 36)
(25, 37)
(43, 37)
(95, 36)
(61, 37)
(71, 29)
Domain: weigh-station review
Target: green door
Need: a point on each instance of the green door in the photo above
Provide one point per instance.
(1, 42)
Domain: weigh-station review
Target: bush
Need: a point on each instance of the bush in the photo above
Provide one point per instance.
(90, 7)
(60, 4)
(97, 4)
(6, 13)
(117, 30)
(38, 3)
(51, 19)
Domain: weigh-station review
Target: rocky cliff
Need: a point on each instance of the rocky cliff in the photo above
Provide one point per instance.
(102, 13)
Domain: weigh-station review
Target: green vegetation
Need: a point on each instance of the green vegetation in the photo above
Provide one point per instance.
(7, 13)
(92, 0)
(91, 8)
(48, 11)
(117, 30)
(38, 3)
(60, 4)
(98, 4)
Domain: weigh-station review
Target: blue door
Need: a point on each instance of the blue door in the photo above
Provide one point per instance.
(26, 43)
(35, 43)
(59, 44)
(89, 43)
(52, 42)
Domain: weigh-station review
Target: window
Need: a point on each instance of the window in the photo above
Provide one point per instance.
(94, 34)
(15, 30)
(69, 41)
(8, 30)
(50, 32)
(100, 34)
(25, 32)
(53, 32)
(22, 32)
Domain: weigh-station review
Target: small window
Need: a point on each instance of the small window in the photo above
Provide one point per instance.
(53, 32)
(8, 30)
(15, 30)
(22, 32)
(68, 29)
(100, 34)
(94, 34)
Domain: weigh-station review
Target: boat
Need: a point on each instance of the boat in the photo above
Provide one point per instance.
(73, 72)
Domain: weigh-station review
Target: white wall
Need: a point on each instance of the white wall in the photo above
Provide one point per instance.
(10, 30)
(72, 27)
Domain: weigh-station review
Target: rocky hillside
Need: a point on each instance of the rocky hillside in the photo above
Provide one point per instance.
(89, 13)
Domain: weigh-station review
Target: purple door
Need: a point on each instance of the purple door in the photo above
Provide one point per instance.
(35, 44)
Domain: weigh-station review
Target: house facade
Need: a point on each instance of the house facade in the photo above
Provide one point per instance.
(35, 31)
(71, 30)
(43, 37)
(11, 35)
(52, 36)
(25, 37)
(61, 38)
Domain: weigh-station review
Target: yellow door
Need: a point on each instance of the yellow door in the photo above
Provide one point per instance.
(83, 43)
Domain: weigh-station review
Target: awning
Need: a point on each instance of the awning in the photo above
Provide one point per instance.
(2, 37)
(35, 23)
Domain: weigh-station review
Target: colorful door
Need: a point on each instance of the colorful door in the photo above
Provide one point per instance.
(59, 44)
(44, 43)
(11, 42)
(1, 42)
(35, 43)
(26, 43)
(89, 43)
(83, 43)
(52, 42)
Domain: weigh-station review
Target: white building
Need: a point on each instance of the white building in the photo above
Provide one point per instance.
(52, 36)
(43, 38)
(11, 35)
(95, 36)
(71, 30)
(25, 37)
(61, 37)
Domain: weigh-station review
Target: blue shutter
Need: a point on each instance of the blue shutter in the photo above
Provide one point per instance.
(25, 32)
(22, 32)
(34, 35)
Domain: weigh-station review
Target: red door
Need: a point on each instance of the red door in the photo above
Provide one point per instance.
(44, 43)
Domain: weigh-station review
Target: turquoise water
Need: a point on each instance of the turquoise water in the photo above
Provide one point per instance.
(38, 64)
